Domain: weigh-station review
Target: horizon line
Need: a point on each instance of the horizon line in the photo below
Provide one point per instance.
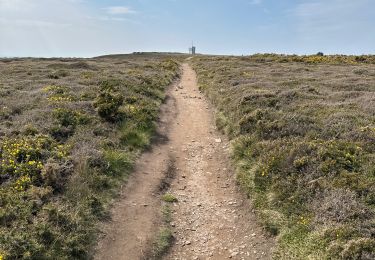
(180, 53)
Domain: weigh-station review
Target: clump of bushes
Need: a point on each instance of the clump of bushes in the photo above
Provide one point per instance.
(170, 65)
(69, 117)
(58, 94)
(66, 121)
(109, 101)
(23, 159)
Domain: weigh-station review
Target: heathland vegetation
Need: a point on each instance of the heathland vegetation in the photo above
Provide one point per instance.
(303, 134)
(70, 130)
(302, 130)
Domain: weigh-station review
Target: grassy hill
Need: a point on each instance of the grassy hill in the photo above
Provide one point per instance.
(70, 130)
(303, 134)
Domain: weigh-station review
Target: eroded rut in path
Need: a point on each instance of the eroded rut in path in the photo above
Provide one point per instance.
(211, 219)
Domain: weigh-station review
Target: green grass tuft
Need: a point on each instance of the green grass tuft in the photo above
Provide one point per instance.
(162, 243)
(169, 198)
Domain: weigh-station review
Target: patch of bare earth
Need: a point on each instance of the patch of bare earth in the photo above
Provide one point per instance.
(211, 219)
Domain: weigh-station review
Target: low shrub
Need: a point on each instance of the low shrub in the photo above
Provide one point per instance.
(68, 117)
(25, 157)
(58, 94)
(109, 101)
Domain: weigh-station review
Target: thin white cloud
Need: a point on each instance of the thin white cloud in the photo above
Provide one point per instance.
(116, 10)
(256, 2)
(110, 18)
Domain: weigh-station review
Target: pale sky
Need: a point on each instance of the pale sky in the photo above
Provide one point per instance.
(86, 28)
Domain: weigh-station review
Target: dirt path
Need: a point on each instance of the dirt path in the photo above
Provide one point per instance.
(211, 220)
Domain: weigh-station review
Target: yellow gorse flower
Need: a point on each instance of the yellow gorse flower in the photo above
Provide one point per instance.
(303, 221)
(23, 157)
(58, 93)
(22, 183)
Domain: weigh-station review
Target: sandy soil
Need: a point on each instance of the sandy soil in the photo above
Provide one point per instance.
(212, 219)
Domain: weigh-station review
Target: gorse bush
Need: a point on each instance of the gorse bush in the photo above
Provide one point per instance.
(109, 101)
(59, 94)
(68, 117)
(304, 145)
(66, 122)
(24, 158)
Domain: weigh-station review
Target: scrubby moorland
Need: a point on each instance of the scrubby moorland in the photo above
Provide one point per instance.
(70, 130)
(303, 134)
